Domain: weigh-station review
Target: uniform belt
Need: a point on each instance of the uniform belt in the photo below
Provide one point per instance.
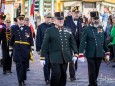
(20, 42)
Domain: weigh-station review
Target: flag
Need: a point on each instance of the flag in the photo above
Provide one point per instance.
(32, 24)
(2, 5)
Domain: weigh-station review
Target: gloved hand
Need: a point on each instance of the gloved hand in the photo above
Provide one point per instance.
(32, 48)
(81, 57)
(107, 56)
(38, 52)
(74, 59)
(42, 62)
(10, 53)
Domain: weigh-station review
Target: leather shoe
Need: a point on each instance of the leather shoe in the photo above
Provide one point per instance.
(73, 79)
(4, 72)
(113, 66)
(20, 84)
(47, 82)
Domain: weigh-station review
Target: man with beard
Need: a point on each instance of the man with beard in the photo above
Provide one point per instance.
(93, 41)
(75, 23)
(39, 39)
(60, 42)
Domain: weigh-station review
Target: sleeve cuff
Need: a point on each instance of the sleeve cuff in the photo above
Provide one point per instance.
(42, 58)
(10, 47)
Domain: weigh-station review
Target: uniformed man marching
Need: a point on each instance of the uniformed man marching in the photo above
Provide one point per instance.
(39, 39)
(21, 42)
(75, 23)
(7, 59)
(93, 41)
(60, 42)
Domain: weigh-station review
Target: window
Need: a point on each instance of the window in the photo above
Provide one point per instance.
(90, 5)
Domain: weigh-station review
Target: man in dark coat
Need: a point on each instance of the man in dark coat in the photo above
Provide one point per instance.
(60, 42)
(39, 39)
(93, 41)
(7, 59)
(75, 23)
(21, 42)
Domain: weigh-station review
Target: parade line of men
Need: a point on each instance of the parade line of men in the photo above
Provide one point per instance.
(59, 43)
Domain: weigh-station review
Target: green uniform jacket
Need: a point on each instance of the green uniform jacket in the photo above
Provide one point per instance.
(60, 44)
(113, 35)
(93, 41)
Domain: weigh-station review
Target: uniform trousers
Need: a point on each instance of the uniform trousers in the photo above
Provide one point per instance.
(93, 70)
(21, 70)
(47, 67)
(58, 75)
(7, 60)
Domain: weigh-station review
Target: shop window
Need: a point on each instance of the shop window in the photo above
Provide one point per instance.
(90, 5)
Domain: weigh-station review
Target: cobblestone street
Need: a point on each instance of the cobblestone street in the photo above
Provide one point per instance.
(35, 75)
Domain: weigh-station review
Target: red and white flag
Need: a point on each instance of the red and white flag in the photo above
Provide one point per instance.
(2, 5)
(32, 24)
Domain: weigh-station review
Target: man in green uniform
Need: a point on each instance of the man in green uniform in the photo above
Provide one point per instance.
(93, 41)
(60, 42)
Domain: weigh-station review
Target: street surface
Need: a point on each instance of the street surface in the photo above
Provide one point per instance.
(36, 78)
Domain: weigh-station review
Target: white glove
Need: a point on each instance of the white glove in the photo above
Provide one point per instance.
(10, 53)
(42, 62)
(81, 59)
(107, 57)
(32, 51)
(74, 59)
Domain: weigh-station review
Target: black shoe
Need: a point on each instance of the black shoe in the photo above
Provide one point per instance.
(4, 72)
(28, 69)
(73, 79)
(113, 66)
(24, 83)
(47, 81)
(9, 71)
(20, 84)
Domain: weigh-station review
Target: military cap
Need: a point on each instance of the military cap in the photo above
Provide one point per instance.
(59, 15)
(15, 19)
(7, 21)
(75, 9)
(26, 19)
(48, 15)
(1, 15)
(21, 17)
(94, 15)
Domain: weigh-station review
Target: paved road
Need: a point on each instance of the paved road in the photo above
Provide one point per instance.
(35, 76)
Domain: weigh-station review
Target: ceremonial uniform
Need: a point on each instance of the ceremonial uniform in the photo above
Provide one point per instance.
(7, 59)
(2, 27)
(93, 41)
(21, 42)
(76, 28)
(60, 43)
(39, 39)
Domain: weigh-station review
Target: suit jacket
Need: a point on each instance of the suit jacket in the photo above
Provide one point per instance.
(93, 41)
(60, 44)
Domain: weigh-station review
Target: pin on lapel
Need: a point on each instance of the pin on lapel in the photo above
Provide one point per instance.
(100, 30)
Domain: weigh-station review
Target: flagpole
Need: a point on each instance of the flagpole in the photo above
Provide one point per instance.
(29, 7)
(52, 7)
(41, 10)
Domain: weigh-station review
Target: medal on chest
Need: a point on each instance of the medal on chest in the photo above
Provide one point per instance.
(100, 30)
(27, 35)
